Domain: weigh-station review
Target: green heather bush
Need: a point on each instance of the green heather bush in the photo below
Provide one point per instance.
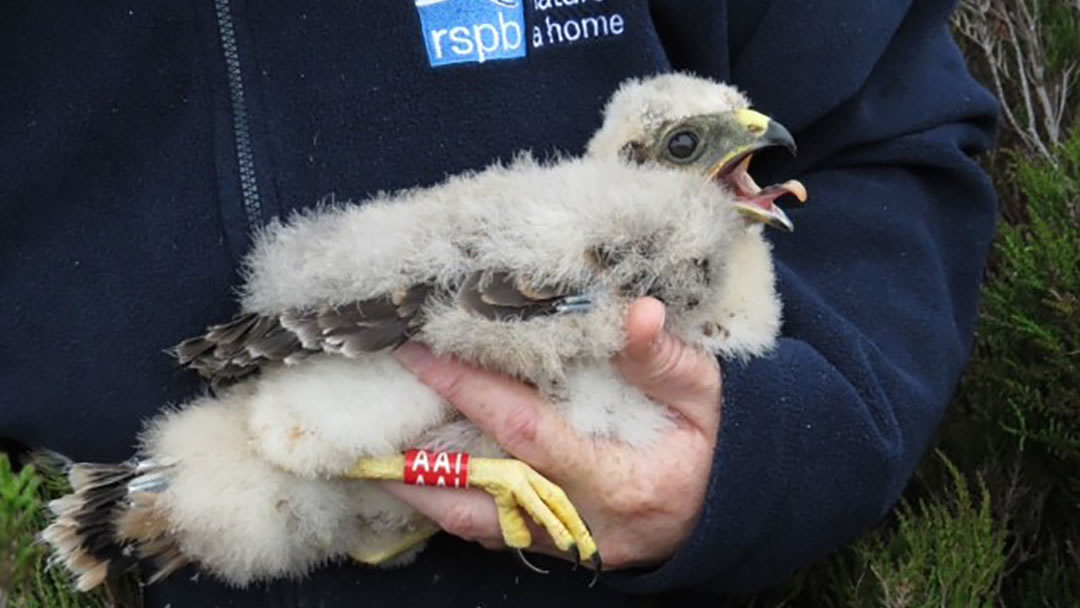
(1028, 375)
(1023, 388)
(19, 504)
(25, 581)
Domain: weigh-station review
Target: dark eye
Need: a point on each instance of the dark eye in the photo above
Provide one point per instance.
(682, 145)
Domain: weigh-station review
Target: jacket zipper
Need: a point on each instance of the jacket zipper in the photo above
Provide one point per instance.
(245, 158)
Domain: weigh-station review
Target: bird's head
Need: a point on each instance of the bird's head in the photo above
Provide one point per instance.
(698, 125)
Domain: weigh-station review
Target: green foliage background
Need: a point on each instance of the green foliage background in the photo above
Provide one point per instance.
(25, 579)
(992, 518)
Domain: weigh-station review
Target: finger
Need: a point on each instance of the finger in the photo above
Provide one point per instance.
(665, 368)
(511, 412)
(468, 514)
(644, 327)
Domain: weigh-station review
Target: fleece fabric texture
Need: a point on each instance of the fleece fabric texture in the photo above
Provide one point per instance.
(123, 218)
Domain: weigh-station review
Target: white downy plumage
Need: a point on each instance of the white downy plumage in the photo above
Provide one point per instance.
(245, 483)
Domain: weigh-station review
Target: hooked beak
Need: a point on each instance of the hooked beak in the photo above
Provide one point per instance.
(758, 204)
(769, 132)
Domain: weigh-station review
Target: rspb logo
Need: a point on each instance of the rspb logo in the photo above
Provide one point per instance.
(472, 31)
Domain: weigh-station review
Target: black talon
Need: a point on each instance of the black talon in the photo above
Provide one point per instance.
(596, 562)
(577, 557)
(598, 565)
(530, 565)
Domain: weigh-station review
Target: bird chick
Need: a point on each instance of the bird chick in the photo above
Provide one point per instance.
(526, 268)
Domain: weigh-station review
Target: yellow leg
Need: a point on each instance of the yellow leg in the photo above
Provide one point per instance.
(390, 467)
(514, 484)
(376, 556)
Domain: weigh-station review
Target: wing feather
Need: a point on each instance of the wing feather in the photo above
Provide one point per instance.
(231, 351)
(504, 296)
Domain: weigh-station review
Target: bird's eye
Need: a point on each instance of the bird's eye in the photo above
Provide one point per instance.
(682, 145)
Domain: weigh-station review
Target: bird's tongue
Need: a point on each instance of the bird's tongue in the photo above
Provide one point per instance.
(757, 204)
(748, 192)
(766, 197)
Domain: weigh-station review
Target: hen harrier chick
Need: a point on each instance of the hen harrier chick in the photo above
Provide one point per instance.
(526, 268)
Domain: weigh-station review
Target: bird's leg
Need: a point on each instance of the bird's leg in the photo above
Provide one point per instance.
(512, 483)
(374, 556)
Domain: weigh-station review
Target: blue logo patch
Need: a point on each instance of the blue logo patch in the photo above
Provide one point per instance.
(472, 31)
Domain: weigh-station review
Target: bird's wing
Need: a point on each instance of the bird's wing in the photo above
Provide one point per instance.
(231, 351)
(503, 295)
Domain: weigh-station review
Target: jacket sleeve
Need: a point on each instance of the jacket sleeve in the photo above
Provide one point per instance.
(879, 281)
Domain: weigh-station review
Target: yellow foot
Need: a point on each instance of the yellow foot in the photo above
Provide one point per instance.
(514, 484)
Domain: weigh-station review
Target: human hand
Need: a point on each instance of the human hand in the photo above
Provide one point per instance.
(640, 503)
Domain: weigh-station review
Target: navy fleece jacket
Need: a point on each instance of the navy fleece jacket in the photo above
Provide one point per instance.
(140, 144)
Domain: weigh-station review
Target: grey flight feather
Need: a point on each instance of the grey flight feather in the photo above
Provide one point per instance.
(232, 351)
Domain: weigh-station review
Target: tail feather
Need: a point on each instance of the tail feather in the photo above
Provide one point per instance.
(166, 562)
(93, 576)
(110, 521)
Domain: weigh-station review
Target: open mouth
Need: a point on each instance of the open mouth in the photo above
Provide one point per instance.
(754, 202)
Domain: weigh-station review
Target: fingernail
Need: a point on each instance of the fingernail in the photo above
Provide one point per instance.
(415, 357)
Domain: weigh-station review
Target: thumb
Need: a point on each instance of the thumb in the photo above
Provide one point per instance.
(665, 368)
